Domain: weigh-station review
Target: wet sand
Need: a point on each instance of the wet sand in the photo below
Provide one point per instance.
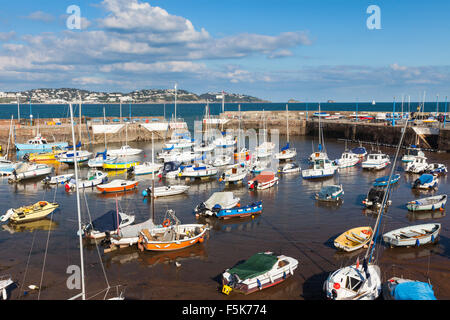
(292, 223)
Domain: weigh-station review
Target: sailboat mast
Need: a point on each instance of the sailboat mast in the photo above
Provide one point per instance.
(287, 122)
(104, 121)
(9, 138)
(175, 102)
(79, 127)
(153, 184)
(223, 101)
(83, 292)
(239, 130)
(18, 111)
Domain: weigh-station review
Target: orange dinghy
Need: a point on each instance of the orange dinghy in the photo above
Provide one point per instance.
(171, 236)
(117, 185)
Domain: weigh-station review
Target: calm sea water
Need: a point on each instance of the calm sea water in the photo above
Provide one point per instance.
(192, 112)
(292, 223)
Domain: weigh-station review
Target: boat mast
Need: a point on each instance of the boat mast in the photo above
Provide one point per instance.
(287, 122)
(83, 292)
(79, 127)
(176, 102)
(9, 139)
(104, 121)
(153, 186)
(385, 198)
(18, 111)
(239, 131)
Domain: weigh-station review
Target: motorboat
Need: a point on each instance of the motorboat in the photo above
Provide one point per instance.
(290, 168)
(226, 141)
(428, 204)
(218, 201)
(413, 235)
(360, 151)
(197, 170)
(33, 212)
(412, 153)
(405, 289)
(426, 181)
(124, 151)
(119, 164)
(418, 165)
(235, 174)
(354, 239)
(374, 198)
(117, 185)
(265, 149)
(260, 271)
(383, 181)
(43, 156)
(164, 191)
(69, 157)
(100, 159)
(147, 168)
(286, 153)
(107, 224)
(93, 179)
(348, 159)
(171, 169)
(376, 161)
(436, 168)
(240, 212)
(129, 235)
(330, 193)
(264, 180)
(61, 179)
(29, 170)
(222, 160)
(322, 168)
(5, 282)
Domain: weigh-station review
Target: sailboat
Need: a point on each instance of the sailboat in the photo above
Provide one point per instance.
(101, 157)
(125, 150)
(321, 154)
(287, 152)
(7, 166)
(148, 167)
(205, 146)
(265, 149)
(361, 282)
(241, 154)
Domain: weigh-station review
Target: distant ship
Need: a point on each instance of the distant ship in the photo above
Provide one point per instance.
(373, 102)
(331, 101)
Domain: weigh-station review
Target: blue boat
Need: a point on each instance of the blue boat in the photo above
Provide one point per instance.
(240, 212)
(39, 144)
(426, 181)
(383, 181)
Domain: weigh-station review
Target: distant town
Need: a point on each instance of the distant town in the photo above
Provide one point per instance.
(62, 96)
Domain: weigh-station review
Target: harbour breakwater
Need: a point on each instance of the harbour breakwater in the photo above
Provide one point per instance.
(300, 123)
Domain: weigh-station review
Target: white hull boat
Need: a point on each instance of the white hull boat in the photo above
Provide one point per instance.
(426, 181)
(68, 157)
(124, 151)
(221, 161)
(165, 191)
(29, 171)
(94, 179)
(428, 204)
(348, 159)
(147, 168)
(61, 179)
(234, 174)
(318, 156)
(264, 180)
(413, 235)
(107, 224)
(418, 165)
(5, 282)
(99, 161)
(321, 169)
(198, 171)
(405, 289)
(290, 168)
(129, 235)
(376, 161)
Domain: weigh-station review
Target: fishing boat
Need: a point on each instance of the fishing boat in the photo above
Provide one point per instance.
(129, 235)
(165, 191)
(124, 151)
(436, 168)
(376, 161)
(412, 153)
(94, 178)
(107, 224)
(418, 165)
(172, 236)
(260, 271)
(348, 159)
(322, 168)
(374, 198)
(383, 181)
(428, 204)
(354, 239)
(235, 174)
(117, 185)
(61, 179)
(264, 180)
(39, 144)
(68, 157)
(33, 212)
(240, 212)
(146, 168)
(28, 171)
(413, 235)
(222, 160)
(426, 181)
(5, 282)
(405, 289)
(218, 201)
(330, 193)
(197, 170)
(119, 164)
(290, 168)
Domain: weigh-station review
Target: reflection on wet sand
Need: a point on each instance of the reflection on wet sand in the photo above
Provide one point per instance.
(44, 224)
(424, 215)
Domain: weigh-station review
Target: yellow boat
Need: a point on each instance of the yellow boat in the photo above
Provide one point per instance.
(119, 165)
(354, 239)
(33, 212)
(45, 156)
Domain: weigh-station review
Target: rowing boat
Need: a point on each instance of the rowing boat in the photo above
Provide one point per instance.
(33, 212)
(413, 235)
(117, 185)
(353, 239)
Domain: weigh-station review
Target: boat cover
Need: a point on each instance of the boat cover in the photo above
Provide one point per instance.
(171, 166)
(359, 150)
(376, 194)
(107, 222)
(414, 290)
(265, 176)
(256, 265)
(426, 178)
(328, 191)
(285, 147)
(221, 198)
(101, 154)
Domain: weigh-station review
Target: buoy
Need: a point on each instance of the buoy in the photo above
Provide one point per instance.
(177, 264)
(67, 187)
(33, 287)
(200, 240)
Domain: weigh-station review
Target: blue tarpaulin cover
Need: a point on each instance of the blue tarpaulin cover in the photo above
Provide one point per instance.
(286, 147)
(359, 150)
(107, 222)
(425, 178)
(414, 290)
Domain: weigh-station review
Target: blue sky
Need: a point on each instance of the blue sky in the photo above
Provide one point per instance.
(275, 50)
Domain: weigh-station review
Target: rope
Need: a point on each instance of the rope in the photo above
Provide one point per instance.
(28, 262)
(45, 256)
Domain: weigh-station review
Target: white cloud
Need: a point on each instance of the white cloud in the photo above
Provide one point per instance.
(40, 16)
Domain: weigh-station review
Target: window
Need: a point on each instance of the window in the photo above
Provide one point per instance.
(353, 284)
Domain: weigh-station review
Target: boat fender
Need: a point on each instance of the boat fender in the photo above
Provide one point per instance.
(432, 238)
(42, 203)
(417, 242)
(259, 284)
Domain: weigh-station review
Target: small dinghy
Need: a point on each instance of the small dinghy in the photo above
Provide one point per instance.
(117, 185)
(426, 181)
(413, 235)
(406, 289)
(164, 191)
(383, 181)
(5, 282)
(240, 212)
(218, 201)
(428, 204)
(29, 171)
(172, 236)
(94, 178)
(107, 224)
(33, 212)
(374, 198)
(290, 168)
(436, 168)
(264, 180)
(330, 193)
(260, 271)
(354, 239)
(61, 179)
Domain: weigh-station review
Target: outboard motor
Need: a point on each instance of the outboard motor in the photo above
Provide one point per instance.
(201, 208)
(130, 170)
(416, 183)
